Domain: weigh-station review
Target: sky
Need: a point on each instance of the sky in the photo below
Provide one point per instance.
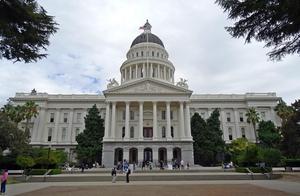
(95, 35)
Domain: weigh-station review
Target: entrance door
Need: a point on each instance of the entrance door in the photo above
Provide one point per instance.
(148, 132)
(148, 154)
(162, 155)
(133, 155)
(118, 155)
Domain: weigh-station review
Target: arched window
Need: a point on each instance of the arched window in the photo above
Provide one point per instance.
(157, 54)
(230, 133)
(163, 132)
(137, 54)
(123, 132)
(243, 132)
(172, 131)
(131, 132)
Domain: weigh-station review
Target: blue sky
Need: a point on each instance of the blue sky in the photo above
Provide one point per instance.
(94, 37)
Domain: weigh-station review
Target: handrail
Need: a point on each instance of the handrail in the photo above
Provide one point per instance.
(267, 173)
(45, 175)
(249, 171)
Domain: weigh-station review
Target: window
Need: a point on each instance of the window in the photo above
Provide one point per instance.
(123, 132)
(77, 131)
(65, 117)
(148, 132)
(51, 117)
(49, 134)
(142, 53)
(241, 117)
(171, 115)
(137, 54)
(230, 133)
(63, 134)
(157, 54)
(78, 117)
(172, 131)
(131, 132)
(243, 132)
(152, 53)
(228, 117)
(131, 115)
(163, 132)
(163, 115)
(123, 114)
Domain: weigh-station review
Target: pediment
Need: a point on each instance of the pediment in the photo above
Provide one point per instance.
(148, 86)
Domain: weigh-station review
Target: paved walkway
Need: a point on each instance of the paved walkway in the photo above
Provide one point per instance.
(288, 187)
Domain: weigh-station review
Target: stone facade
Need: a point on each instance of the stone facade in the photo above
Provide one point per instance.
(147, 116)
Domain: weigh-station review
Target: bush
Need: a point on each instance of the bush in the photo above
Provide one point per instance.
(8, 162)
(270, 156)
(25, 161)
(37, 171)
(292, 162)
(55, 171)
(253, 169)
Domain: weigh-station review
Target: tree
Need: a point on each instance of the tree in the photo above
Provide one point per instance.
(268, 134)
(277, 23)
(208, 142)
(25, 161)
(270, 156)
(253, 118)
(291, 133)
(30, 110)
(237, 147)
(284, 111)
(89, 148)
(25, 29)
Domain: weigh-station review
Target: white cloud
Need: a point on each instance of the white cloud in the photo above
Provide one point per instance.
(94, 37)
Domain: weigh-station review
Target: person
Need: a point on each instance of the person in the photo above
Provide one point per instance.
(114, 175)
(181, 164)
(3, 181)
(127, 175)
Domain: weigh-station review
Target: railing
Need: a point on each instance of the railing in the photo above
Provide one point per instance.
(250, 172)
(45, 175)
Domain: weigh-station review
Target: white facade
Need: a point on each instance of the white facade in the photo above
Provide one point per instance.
(147, 116)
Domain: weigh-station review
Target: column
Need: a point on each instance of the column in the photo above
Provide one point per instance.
(70, 127)
(170, 154)
(140, 154)
(141, 120)
(144, 72)
(187, 120)
(57, 119)
(181, 118)
(236, 123)
(168, 120)
(113, 120)
(154, 120)
(126, 153)
(107, 119)
(130, 72)
(158, 71)
(155, 155)
(39, 126)
(170, 75)
(151, 70)
(127, 120)
(125, 70)
(165, 73)
(136, 71)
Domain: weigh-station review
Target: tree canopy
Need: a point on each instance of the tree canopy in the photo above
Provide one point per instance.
(275, 22)
(253, 118)
(208, 141)
(89, 148)
(25, 29)
(268, 134)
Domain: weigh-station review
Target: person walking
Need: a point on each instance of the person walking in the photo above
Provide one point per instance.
(3, 181)
(127, 175)
(114, 175)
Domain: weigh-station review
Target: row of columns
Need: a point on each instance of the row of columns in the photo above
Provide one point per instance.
(184, 120)
(147, 70)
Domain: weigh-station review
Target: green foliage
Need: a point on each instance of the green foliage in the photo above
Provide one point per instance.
(292, 162)
(45, 158)
(207, 136)
(274, 22)
(249, 157)
(89, 148)
(291, 133)
(25, 29)
(268, 134)
(270, 156)
(253, 118)
(253, 169)
(37, 172)
(25, 161)
(55, 171)
(237, 147)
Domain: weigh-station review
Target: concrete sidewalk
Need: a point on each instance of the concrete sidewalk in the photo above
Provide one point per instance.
(286, 186)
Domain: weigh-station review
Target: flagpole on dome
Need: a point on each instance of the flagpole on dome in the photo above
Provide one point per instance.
(147, 29)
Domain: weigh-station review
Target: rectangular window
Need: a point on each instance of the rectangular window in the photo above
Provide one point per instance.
(228, 117)
(230, 133)
(171, 115)
(243, 132)
(241, 117)
(63, 134)
(51, 117)
(65, 117)
(49, 135)
(163, 115)
(77, 131)
(78, 117)
(123, 114)
(131, 115)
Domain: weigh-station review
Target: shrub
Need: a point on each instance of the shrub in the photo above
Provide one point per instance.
(253, 169)
(25, 161)
(37, 171)
(292, 162)
(55, 171)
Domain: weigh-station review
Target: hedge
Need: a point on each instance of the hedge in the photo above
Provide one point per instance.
(292, 162)
(55, 171)
(253, 169)
(37, 171)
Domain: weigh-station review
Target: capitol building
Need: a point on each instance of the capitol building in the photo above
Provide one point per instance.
(147, 114)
